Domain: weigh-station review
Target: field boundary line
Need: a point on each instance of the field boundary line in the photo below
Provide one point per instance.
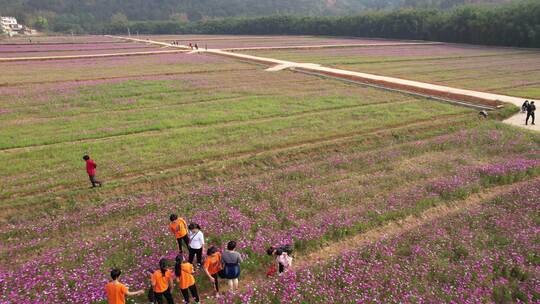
(399, 227)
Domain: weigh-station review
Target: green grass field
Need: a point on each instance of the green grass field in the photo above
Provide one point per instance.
(255, 156)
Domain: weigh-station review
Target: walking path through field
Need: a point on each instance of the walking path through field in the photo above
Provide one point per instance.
(396, 228)
(473, 97)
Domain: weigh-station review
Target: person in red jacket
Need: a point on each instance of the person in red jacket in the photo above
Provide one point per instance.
(91, 170)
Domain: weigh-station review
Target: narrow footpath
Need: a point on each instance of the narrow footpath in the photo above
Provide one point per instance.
(480, 99)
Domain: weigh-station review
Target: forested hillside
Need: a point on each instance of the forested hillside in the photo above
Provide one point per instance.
(90, 15)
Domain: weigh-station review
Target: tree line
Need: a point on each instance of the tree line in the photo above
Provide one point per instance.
(81, 16)
(515, 24)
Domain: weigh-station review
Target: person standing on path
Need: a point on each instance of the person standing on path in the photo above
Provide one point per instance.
(162, 283)
(186, 280)
(116, 291)
(212, 266)
(530, 112)
(196, 243)
(231, 260)
(91, 170)
(179, 228)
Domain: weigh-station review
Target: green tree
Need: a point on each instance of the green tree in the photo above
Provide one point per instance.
(41, 23)
(119, 20)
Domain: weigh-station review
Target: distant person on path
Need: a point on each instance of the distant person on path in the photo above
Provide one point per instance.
(196, 243)
(179, 228)
(91, 170)
(524, 106)
(162, 283)
(116, 291)
(186, 281)
(530, 113)
(212, 266)
(196, 46)
(231, 260)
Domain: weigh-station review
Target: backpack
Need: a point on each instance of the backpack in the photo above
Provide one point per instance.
(288, 248)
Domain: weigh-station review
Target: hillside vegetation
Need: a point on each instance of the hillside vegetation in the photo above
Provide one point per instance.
(90, 15)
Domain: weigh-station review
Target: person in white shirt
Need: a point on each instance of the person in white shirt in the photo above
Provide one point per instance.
(196, 243)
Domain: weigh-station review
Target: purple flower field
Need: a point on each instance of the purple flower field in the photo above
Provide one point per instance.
(288, 206)
(31, 48)
(485, 255)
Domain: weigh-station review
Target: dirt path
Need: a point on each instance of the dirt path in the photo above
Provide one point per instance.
(393, 229)
(487, 99)
(518, 120)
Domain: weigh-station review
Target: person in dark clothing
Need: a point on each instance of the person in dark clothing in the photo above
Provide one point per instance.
(524, 106)
(91, 170)
(530, 113)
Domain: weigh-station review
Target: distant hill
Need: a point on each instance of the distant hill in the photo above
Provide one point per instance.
(194, 10)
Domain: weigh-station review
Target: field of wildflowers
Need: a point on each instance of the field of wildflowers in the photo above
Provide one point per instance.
(262, 158)
(485, 255)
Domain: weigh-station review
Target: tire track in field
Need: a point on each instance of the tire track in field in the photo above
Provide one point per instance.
(231, 123)
(254, 152)
(395, 228)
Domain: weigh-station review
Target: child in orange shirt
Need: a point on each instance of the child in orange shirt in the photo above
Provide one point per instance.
(186, 281)
(212, 266)
(116, 291)
(179, 228)
(162, 283)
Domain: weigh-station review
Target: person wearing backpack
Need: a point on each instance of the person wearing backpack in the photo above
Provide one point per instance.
(162, 283)
(179, 228)
(212, 266)
(116, 291)
(196, 243)
(231, 260)
(186, 281)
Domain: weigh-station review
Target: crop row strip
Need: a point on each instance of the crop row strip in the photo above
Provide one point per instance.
(235, 122)
(13, 59)
(325, 46)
